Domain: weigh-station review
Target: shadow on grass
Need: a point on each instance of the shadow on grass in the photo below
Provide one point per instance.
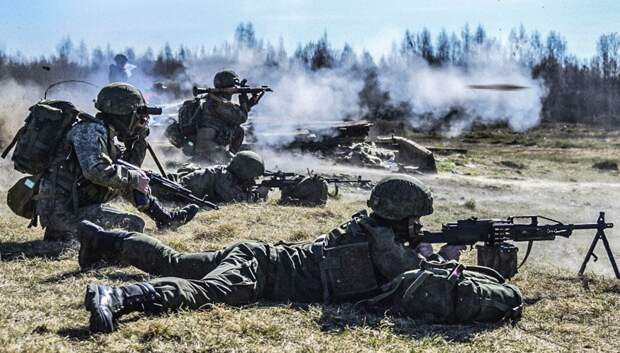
(336, 319)
(15, 251)
(75, 334)
(116, 276)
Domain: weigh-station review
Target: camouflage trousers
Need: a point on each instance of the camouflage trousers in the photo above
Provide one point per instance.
(239, 274)
(60, 221)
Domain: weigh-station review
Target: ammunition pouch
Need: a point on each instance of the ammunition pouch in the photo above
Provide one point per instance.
(21, 197)
(347, 271)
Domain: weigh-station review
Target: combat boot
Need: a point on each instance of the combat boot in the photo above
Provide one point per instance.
(171, 218)
(106, 304)
(97, 244)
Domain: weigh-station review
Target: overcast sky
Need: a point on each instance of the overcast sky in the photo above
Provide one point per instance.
(34, 27)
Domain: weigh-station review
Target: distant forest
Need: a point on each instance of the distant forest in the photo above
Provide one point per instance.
(581, 90)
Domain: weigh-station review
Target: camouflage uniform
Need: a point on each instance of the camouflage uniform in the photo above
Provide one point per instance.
(117, 72)
(347, 263)
(83, 174)
(354, 261)
(215, 183)
(83, 177)
(219, 130)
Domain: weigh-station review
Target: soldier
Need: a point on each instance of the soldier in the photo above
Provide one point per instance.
(351, 262)
(83, 175)
(118, 70)
(235, 183)
(221, 183)
(219, 132)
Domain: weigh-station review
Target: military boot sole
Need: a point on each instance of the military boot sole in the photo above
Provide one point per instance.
(101, 317)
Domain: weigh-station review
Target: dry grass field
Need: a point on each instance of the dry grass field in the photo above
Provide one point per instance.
(42, 288)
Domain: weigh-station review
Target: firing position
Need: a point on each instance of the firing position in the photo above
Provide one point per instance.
(360, 259)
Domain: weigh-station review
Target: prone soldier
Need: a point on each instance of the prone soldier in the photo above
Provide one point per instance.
(236, 182)
(220, 183)
(360, 259)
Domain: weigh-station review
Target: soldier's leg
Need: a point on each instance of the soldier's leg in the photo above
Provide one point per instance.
(142, 251)
(207, 149)
(240, 278)
(59, 222)
(237, 139)
(109, 217)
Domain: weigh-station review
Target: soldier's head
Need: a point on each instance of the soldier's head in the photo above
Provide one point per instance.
(226, 79)
(123, 106)
(120, 60)
(246, 166)
(401, 199)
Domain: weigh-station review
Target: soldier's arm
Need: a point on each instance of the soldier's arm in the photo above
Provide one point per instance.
(390, 257)
(198, 182)
(89, 142)
(229, 191)
(227, 110)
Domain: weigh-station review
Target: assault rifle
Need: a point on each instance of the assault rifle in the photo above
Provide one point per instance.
(281, 180)
(494, 233)
(230, 90)
(171, 186)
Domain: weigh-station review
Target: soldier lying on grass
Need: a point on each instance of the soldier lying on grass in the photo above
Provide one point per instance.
(360, 260)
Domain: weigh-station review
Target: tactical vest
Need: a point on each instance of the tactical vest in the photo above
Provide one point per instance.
(67, 177)
(347, 270)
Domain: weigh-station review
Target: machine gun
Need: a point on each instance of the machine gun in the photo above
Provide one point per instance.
(172, 187)
(280, 179)
(230, 90)
(340, 181)
(497, 253)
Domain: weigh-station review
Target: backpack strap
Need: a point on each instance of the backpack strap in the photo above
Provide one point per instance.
(487, 271)
(13, 142)
(410, 291)
(512, 314)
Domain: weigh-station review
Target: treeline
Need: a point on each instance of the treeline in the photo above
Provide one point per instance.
(585, 90)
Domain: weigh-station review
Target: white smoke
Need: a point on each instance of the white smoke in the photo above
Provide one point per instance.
(438, 90)
(306, 100)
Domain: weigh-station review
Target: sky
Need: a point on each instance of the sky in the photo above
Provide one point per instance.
(34, 27)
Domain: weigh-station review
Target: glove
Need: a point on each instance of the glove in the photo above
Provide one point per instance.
(424, 249)
(451, 252)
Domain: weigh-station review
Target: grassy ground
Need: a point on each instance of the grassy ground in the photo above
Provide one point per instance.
(41, 287)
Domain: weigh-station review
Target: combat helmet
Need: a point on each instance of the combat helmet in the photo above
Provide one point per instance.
(225, 79)
(119, 99)
(401, 196)
(246, 165)
(120, 59)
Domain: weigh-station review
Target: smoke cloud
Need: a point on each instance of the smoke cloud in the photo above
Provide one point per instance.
(436, 91)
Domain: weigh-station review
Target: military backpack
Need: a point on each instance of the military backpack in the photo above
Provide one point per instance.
(43, 132)
(189, 113)
(453, 293)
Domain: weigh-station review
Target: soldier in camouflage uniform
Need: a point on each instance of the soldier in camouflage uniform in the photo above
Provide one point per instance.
(219, 132)
(220, 183)
(118, 71)
(83, 176)
(349, 263)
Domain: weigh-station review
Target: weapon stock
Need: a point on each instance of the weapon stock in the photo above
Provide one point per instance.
(171, 186)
